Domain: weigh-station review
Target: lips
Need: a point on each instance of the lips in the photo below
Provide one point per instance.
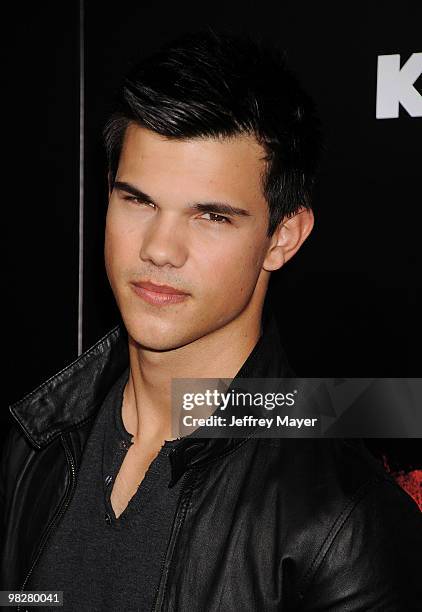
(159, 295)
(159, 288)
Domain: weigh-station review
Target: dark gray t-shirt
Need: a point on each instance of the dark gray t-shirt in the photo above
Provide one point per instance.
(99, 562)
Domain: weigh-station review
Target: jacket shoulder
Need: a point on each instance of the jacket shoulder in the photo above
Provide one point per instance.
(371, 558)
(361, 533)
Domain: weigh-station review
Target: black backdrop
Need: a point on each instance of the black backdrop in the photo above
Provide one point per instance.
(350, 300)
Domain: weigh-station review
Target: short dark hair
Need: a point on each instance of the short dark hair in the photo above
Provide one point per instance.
(209, 84)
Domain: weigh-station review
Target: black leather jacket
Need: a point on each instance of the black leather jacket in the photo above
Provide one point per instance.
(262, 524)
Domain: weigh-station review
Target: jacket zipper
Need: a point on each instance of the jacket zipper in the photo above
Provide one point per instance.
(54, 521)
(177, 524)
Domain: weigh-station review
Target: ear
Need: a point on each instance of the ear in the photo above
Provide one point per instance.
(288, 238)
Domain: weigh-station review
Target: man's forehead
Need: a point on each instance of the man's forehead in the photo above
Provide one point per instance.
(222, 168)
(141, 143)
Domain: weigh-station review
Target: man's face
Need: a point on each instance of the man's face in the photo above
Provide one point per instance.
(176, 235)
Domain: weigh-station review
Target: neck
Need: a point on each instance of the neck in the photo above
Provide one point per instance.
(146, 409)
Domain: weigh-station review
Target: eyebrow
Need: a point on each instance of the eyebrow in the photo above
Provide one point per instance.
(217, 207)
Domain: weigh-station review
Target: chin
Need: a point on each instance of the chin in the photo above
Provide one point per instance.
(154, 335)
(159, 345)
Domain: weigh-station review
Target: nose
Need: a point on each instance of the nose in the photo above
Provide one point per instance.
(164, 242)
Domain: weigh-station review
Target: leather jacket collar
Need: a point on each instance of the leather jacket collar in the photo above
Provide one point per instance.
(70, 398)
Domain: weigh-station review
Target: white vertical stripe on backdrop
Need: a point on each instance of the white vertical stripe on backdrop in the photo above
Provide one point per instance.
(81, 168)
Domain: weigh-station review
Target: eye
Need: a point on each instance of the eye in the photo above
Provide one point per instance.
(136, 200)
(215, 218)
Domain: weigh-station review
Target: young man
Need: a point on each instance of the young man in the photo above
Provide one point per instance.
(212, 157)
